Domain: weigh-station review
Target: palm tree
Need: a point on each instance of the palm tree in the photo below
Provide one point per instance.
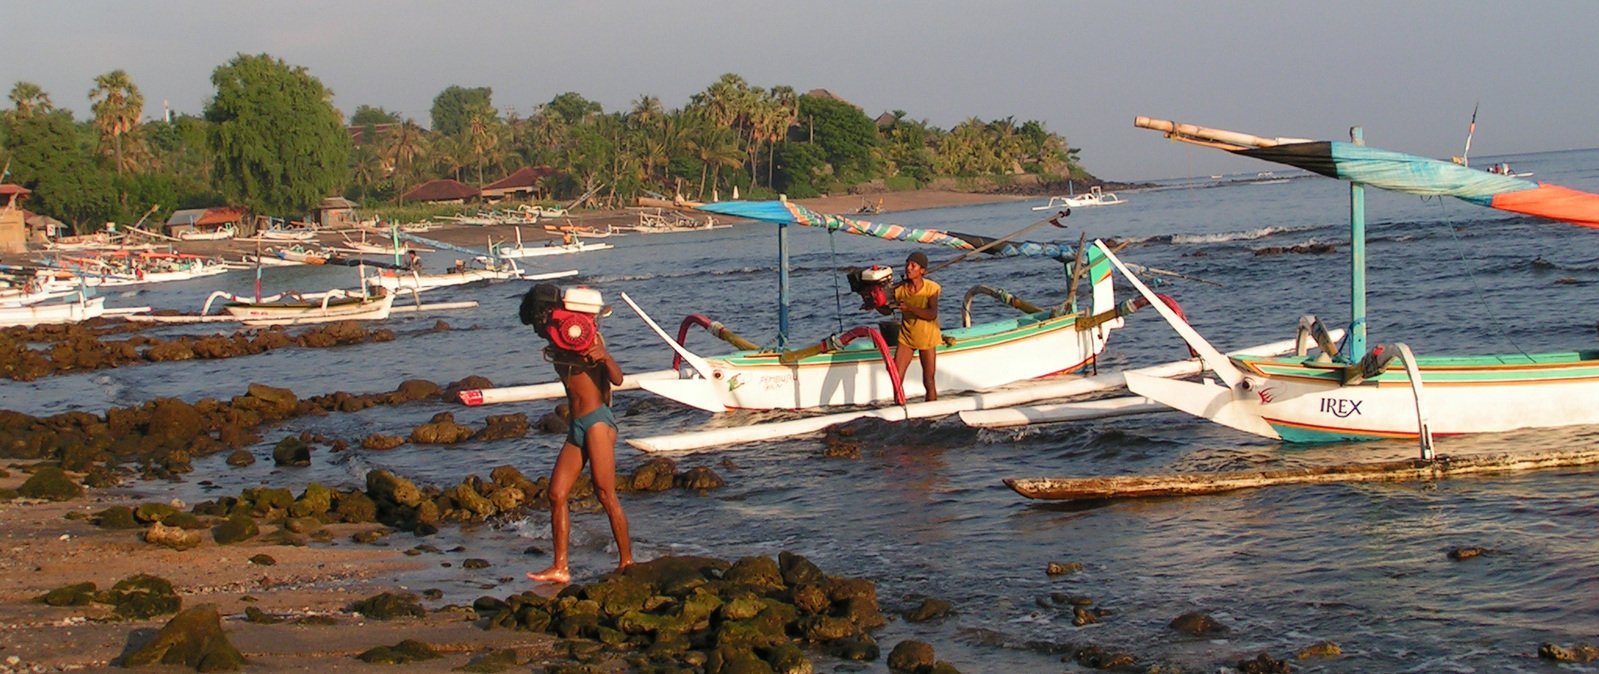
(30, 99)
(716, 147)
(400, 149)
(482, 133)
(117, 104)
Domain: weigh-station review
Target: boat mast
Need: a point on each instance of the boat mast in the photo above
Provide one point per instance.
(782, 286)
(1356, 347)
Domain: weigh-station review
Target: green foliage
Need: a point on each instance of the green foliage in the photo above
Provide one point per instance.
(48, 155)
(572, 107)
(366, 115)
(279, 143)
(799, 167)
(901, 183)
(451, 108)
(845, 135)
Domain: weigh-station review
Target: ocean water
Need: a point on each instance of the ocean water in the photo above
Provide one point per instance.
(923, 510)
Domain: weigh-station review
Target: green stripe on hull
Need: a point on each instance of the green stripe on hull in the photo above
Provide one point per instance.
(1451, 369)
(977, 336)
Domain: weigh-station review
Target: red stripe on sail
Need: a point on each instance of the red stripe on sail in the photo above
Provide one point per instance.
(1553, 202)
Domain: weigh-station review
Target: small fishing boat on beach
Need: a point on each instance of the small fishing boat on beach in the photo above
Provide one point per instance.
(218, 234)
(1350, 391)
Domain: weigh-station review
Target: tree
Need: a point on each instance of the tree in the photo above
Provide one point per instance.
(366, 115)
(30, 99)
(46, 156)
(280, 145)
(573, 108)
(844, 133)
(451, 106)
(401, 150)
(117, 105)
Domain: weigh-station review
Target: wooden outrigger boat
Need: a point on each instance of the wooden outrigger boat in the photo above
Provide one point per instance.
(559, 247)
(848, 370)
(1350, 392)
(51, 311)
(298, 309)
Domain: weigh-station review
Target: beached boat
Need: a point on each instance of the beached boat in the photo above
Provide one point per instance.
(1350, 392)
(79, 307)
(218, 234)
(665, 221)
(855, 368)
(1095, 197)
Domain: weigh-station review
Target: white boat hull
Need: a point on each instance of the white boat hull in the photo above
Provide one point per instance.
(76, 310)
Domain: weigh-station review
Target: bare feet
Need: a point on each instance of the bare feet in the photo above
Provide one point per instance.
(551, 575)
(622, 566)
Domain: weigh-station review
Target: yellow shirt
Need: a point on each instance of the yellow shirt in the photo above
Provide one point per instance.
(915, 332)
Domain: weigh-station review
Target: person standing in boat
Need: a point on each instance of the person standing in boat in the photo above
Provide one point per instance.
(413, 262)
(588, 376)
(916, 300)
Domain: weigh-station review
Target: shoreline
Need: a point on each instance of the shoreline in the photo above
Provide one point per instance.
(475, 236)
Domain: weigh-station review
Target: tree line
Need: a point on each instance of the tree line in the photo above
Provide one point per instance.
(271, 140)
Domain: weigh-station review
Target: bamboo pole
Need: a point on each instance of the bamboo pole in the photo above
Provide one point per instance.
(1192, 484)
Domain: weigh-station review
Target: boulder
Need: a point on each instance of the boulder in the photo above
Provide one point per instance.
(193, 638)
(51, 484)
(291, 451)
(657, 474)
(911, 656)
(172, 537)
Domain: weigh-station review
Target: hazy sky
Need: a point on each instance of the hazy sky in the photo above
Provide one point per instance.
(1409, 72)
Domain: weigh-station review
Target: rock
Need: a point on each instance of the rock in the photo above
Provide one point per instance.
(172, 537)
(1263, 664)
(1061, 569)
(260, 617)
(193, 638)
(184, 520)
(492, 661)
(474, 382)
(51, 484)
(556, 421)
(657, 474)
(757, 572)
(385, 486)
(1461, 554)
(862, 648)
(369, 536)
(441, 430)
(700, 479)
(141, 596)
(930, 609)
(316, 500)
(380, 442)
(503, 427)
(263, 559)
(475, 563)
(115, 517)
(235, 529)
(911, 656)
(1099, 658)
(797, 569)
(1580, 653)
(409, 650)
(355, 507)
(1197, 623)
(389, 606)
(241, 458)
(412, 390)
(77, 594)
(280, 401)
(291, 451)
(154, 512)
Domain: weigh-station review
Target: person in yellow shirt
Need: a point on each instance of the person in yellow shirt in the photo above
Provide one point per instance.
(916, 300)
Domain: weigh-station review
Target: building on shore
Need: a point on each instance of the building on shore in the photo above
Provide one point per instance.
(13, 220)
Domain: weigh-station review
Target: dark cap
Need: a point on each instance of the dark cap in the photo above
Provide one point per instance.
(919, 258)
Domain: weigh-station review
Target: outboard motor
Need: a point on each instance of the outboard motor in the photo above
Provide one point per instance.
(872, 284)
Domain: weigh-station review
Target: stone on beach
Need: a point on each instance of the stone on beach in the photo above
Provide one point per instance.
(193, 638)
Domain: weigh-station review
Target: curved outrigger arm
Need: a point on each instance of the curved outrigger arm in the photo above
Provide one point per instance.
(1213, 359)
(700, 392)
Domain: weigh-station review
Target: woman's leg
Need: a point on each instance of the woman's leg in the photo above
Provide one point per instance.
(602, 465)
(567, 467)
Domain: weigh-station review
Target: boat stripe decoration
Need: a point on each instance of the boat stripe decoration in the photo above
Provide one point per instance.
(788, 212)
(1411, 174)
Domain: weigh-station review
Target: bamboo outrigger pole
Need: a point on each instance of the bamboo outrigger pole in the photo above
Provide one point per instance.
(1192, 484)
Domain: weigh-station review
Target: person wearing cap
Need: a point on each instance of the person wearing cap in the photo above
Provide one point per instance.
(916, 300)
(588, 377)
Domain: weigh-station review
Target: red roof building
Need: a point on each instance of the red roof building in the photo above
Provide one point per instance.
(441, 190)
(522, 183)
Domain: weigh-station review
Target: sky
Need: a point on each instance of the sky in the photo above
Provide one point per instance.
(1407, 71)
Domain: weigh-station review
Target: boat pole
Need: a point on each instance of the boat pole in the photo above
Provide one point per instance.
(782, 286)
(1356, 348)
